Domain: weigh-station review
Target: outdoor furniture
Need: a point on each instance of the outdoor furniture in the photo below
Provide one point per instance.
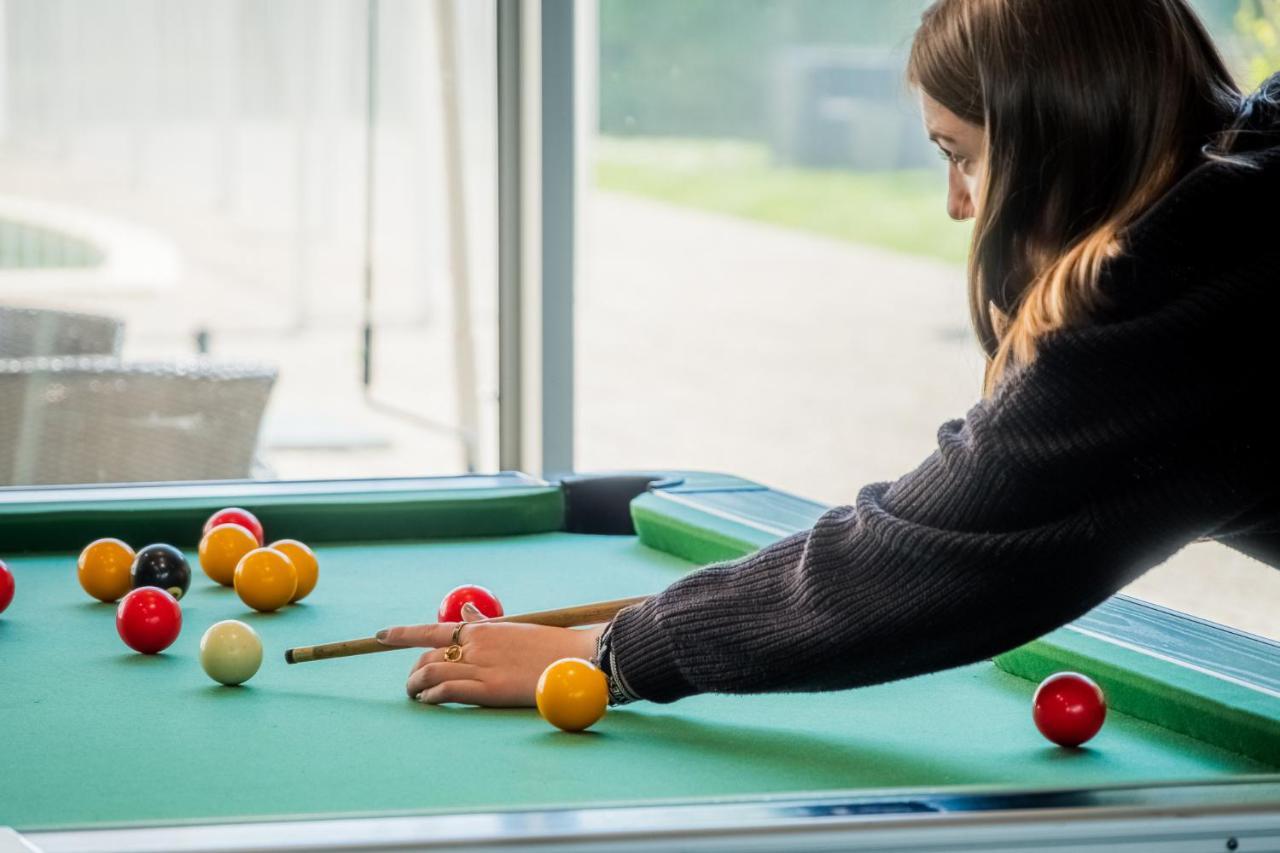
(34, 332)
(100, 420)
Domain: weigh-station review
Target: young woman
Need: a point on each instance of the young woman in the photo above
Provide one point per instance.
(1124, 281)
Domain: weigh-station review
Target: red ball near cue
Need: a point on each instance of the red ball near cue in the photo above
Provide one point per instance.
(484, 600)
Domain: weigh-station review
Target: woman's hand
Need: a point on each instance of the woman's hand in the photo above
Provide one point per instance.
(500, 662)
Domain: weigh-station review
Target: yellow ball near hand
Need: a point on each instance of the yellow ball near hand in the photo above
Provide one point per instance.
(265, 579)
(221, 550)
(572, 694)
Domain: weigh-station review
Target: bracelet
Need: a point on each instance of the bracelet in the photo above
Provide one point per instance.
(605, 659)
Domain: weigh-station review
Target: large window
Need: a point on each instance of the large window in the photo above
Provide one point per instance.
(260, 239)
(767, 259)
(233, 191)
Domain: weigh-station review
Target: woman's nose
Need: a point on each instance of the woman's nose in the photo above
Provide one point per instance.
(959, 202)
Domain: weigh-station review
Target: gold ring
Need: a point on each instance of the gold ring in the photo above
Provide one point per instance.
(453, 654)
(457, 634)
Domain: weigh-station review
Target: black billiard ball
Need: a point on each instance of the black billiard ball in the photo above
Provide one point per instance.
(163, 566)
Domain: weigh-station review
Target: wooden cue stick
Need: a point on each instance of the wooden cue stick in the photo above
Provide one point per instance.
(564, 617)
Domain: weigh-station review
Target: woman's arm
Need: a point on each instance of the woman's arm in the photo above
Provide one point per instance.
(1119, 445)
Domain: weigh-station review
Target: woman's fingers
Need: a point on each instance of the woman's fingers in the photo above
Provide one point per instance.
(500, 662)
(426, 658)
(430, 636)
(471, 613)
(470, 654)
(463, 691)
(437, 654)
(438, 672)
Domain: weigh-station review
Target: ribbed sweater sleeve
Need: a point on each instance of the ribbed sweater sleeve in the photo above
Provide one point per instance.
(1124, 440)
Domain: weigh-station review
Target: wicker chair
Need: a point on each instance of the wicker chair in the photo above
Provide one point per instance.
(100, 420)
(33, 332)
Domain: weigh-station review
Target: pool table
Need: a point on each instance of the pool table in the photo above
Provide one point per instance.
(106, 749)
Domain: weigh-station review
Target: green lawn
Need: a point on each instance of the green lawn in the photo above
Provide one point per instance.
(903, 211)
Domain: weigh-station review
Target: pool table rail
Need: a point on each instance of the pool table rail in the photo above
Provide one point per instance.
(1241, 815)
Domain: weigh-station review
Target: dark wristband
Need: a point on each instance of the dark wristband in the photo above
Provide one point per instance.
(605, 659)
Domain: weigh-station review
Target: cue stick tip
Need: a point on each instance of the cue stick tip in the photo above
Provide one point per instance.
(288, 656)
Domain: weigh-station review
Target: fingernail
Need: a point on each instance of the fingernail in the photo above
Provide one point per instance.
(421, 697)
(381, 636)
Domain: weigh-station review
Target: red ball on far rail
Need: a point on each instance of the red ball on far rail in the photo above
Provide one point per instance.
(236, 515)
(1068, 708)
(484, 600)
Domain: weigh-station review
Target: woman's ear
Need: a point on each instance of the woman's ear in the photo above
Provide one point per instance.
(999, 320)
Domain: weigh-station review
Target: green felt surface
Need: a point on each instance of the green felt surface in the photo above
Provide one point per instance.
(93, 733)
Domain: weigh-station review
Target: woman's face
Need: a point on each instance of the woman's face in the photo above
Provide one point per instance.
(964, 147)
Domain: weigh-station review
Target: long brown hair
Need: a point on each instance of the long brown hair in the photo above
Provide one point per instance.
(1093, 109)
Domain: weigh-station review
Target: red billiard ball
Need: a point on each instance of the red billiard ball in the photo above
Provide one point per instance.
(1068, 708)
(149, 620)
(236, 515)
(6, 586)
(484, 600)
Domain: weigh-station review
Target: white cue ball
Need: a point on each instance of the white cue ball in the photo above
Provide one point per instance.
(230, 652)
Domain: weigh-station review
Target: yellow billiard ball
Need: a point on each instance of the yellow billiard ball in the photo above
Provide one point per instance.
(221, 550)
(230, 652)
(103, 569)
(304, 560)
(572, 694)
(265, 579)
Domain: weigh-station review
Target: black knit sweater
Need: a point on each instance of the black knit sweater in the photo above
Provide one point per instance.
(1125, 440)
